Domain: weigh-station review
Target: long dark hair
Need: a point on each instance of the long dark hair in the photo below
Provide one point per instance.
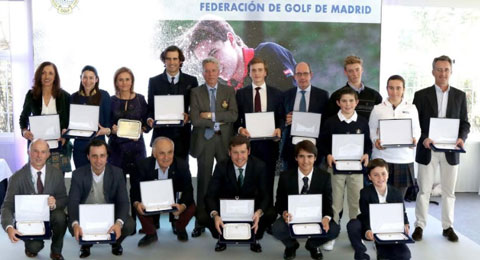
(96, 98)
(37, 81)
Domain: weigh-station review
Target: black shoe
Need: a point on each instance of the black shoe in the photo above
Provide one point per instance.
(290, 252)
(315, 252)
(256, 247)
(147, 240)
(174, 228)
(84, 251)
(418, 234)
(56, 256)
(117, 249)
(219, 247)
(269, 230)
(30, 254)
(362, 256)
(182, 236)
(450, 234)
(197, 231)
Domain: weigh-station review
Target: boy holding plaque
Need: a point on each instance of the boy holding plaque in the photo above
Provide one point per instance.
(378, 192)
(346, 121)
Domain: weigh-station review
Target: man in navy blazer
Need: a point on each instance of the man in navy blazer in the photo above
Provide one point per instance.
(260, 97)
(316, 102)
(100, 183)
(160, 166)
(444, 101)
(51, 182)
(239, 177)
(306, 179)
(172, 82)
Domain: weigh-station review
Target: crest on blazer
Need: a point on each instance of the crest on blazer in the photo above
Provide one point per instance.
(224, 104)
(64, 6)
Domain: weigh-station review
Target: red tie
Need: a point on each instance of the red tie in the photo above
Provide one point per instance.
(39, 183)
(258, 104)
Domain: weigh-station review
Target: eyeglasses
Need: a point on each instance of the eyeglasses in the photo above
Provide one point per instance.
(302, 74)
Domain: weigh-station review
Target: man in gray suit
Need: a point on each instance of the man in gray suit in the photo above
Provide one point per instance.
(36, 177)
(213, 109)
(100, 183)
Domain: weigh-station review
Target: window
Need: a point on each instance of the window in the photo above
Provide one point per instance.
(6, 98)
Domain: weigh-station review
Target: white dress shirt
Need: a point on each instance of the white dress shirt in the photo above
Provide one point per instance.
(442, 101)
(353, 118)
(161, 174)
(300, 180)
(49, 109)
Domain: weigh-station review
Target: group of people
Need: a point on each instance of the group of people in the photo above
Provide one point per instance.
(215, 129)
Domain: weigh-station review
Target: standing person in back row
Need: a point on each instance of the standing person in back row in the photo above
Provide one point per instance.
(367, 97)
(439, 100)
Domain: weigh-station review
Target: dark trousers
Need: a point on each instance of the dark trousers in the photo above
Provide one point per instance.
(267, 151)
(281, 232)
(391, 251)
(148, 222)
(266, 220)
(58, 224)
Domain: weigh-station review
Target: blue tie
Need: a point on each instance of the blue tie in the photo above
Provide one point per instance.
(303, 102)
(209, 132)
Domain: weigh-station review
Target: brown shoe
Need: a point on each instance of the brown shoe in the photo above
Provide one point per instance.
(417, 234)
(55, 256)
(30, 254)
(450, 234)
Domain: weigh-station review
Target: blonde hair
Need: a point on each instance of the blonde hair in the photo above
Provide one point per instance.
(352, 59)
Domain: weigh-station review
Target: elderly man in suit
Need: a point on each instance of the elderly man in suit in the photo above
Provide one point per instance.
(99, 183)
(256, 98)
(242, 177)
(213, 109)
(161, 166)
(37, 177)
(304, 98)
(305, 179)
(172, 82)
(439, 100)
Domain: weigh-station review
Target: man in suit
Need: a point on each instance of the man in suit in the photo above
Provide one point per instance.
(304, 98)
(439, 100)
(99, 183)
(367, 97)
(172, 82)
(240, 177)
(213, 111)
(260, 97)
(163, 165)
(37, 177)
(306, 179)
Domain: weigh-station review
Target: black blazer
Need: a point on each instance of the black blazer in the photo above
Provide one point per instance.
(114, 190)
(426, 102)
(368, 195)
(320, 184)
(33, 107)
(245, 103)
(178, 172)
(223, 184)
(160, 86)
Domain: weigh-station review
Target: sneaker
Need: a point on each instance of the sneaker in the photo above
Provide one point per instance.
(329, 245)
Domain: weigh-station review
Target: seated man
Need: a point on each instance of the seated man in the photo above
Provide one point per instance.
(99, 183)
(243, 177)
(37, 177)
(163, 165)
(377, 192)
(304, 180)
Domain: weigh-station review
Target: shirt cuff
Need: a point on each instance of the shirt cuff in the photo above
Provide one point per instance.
(329, 218)
(213, 213)
(6, 229)
(119, 220)
(74, 223)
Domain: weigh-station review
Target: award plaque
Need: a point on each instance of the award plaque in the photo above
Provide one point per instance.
(131, 129)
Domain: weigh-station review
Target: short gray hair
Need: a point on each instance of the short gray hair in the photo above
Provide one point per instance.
(36, 140)
(160, 138)
(210, 60)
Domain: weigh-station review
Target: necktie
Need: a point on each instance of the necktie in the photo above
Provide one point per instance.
(303, 102)
(305, 185)
(209, 132)
(240, 177)
(172, 83)
(39, 183)
(172, 86)
(258, 103)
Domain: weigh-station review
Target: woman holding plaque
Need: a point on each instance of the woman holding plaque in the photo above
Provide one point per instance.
(400, 159)
(47, 97)
(90, 94)
(130, 111)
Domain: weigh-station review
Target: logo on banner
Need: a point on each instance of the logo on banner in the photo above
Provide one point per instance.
(64, 6)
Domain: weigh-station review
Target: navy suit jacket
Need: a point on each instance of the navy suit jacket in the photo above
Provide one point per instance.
(178, 172)
(224, 185)
(426, 102)
(160, 86)
(114, 190)
(368, 195)
(320, 184)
